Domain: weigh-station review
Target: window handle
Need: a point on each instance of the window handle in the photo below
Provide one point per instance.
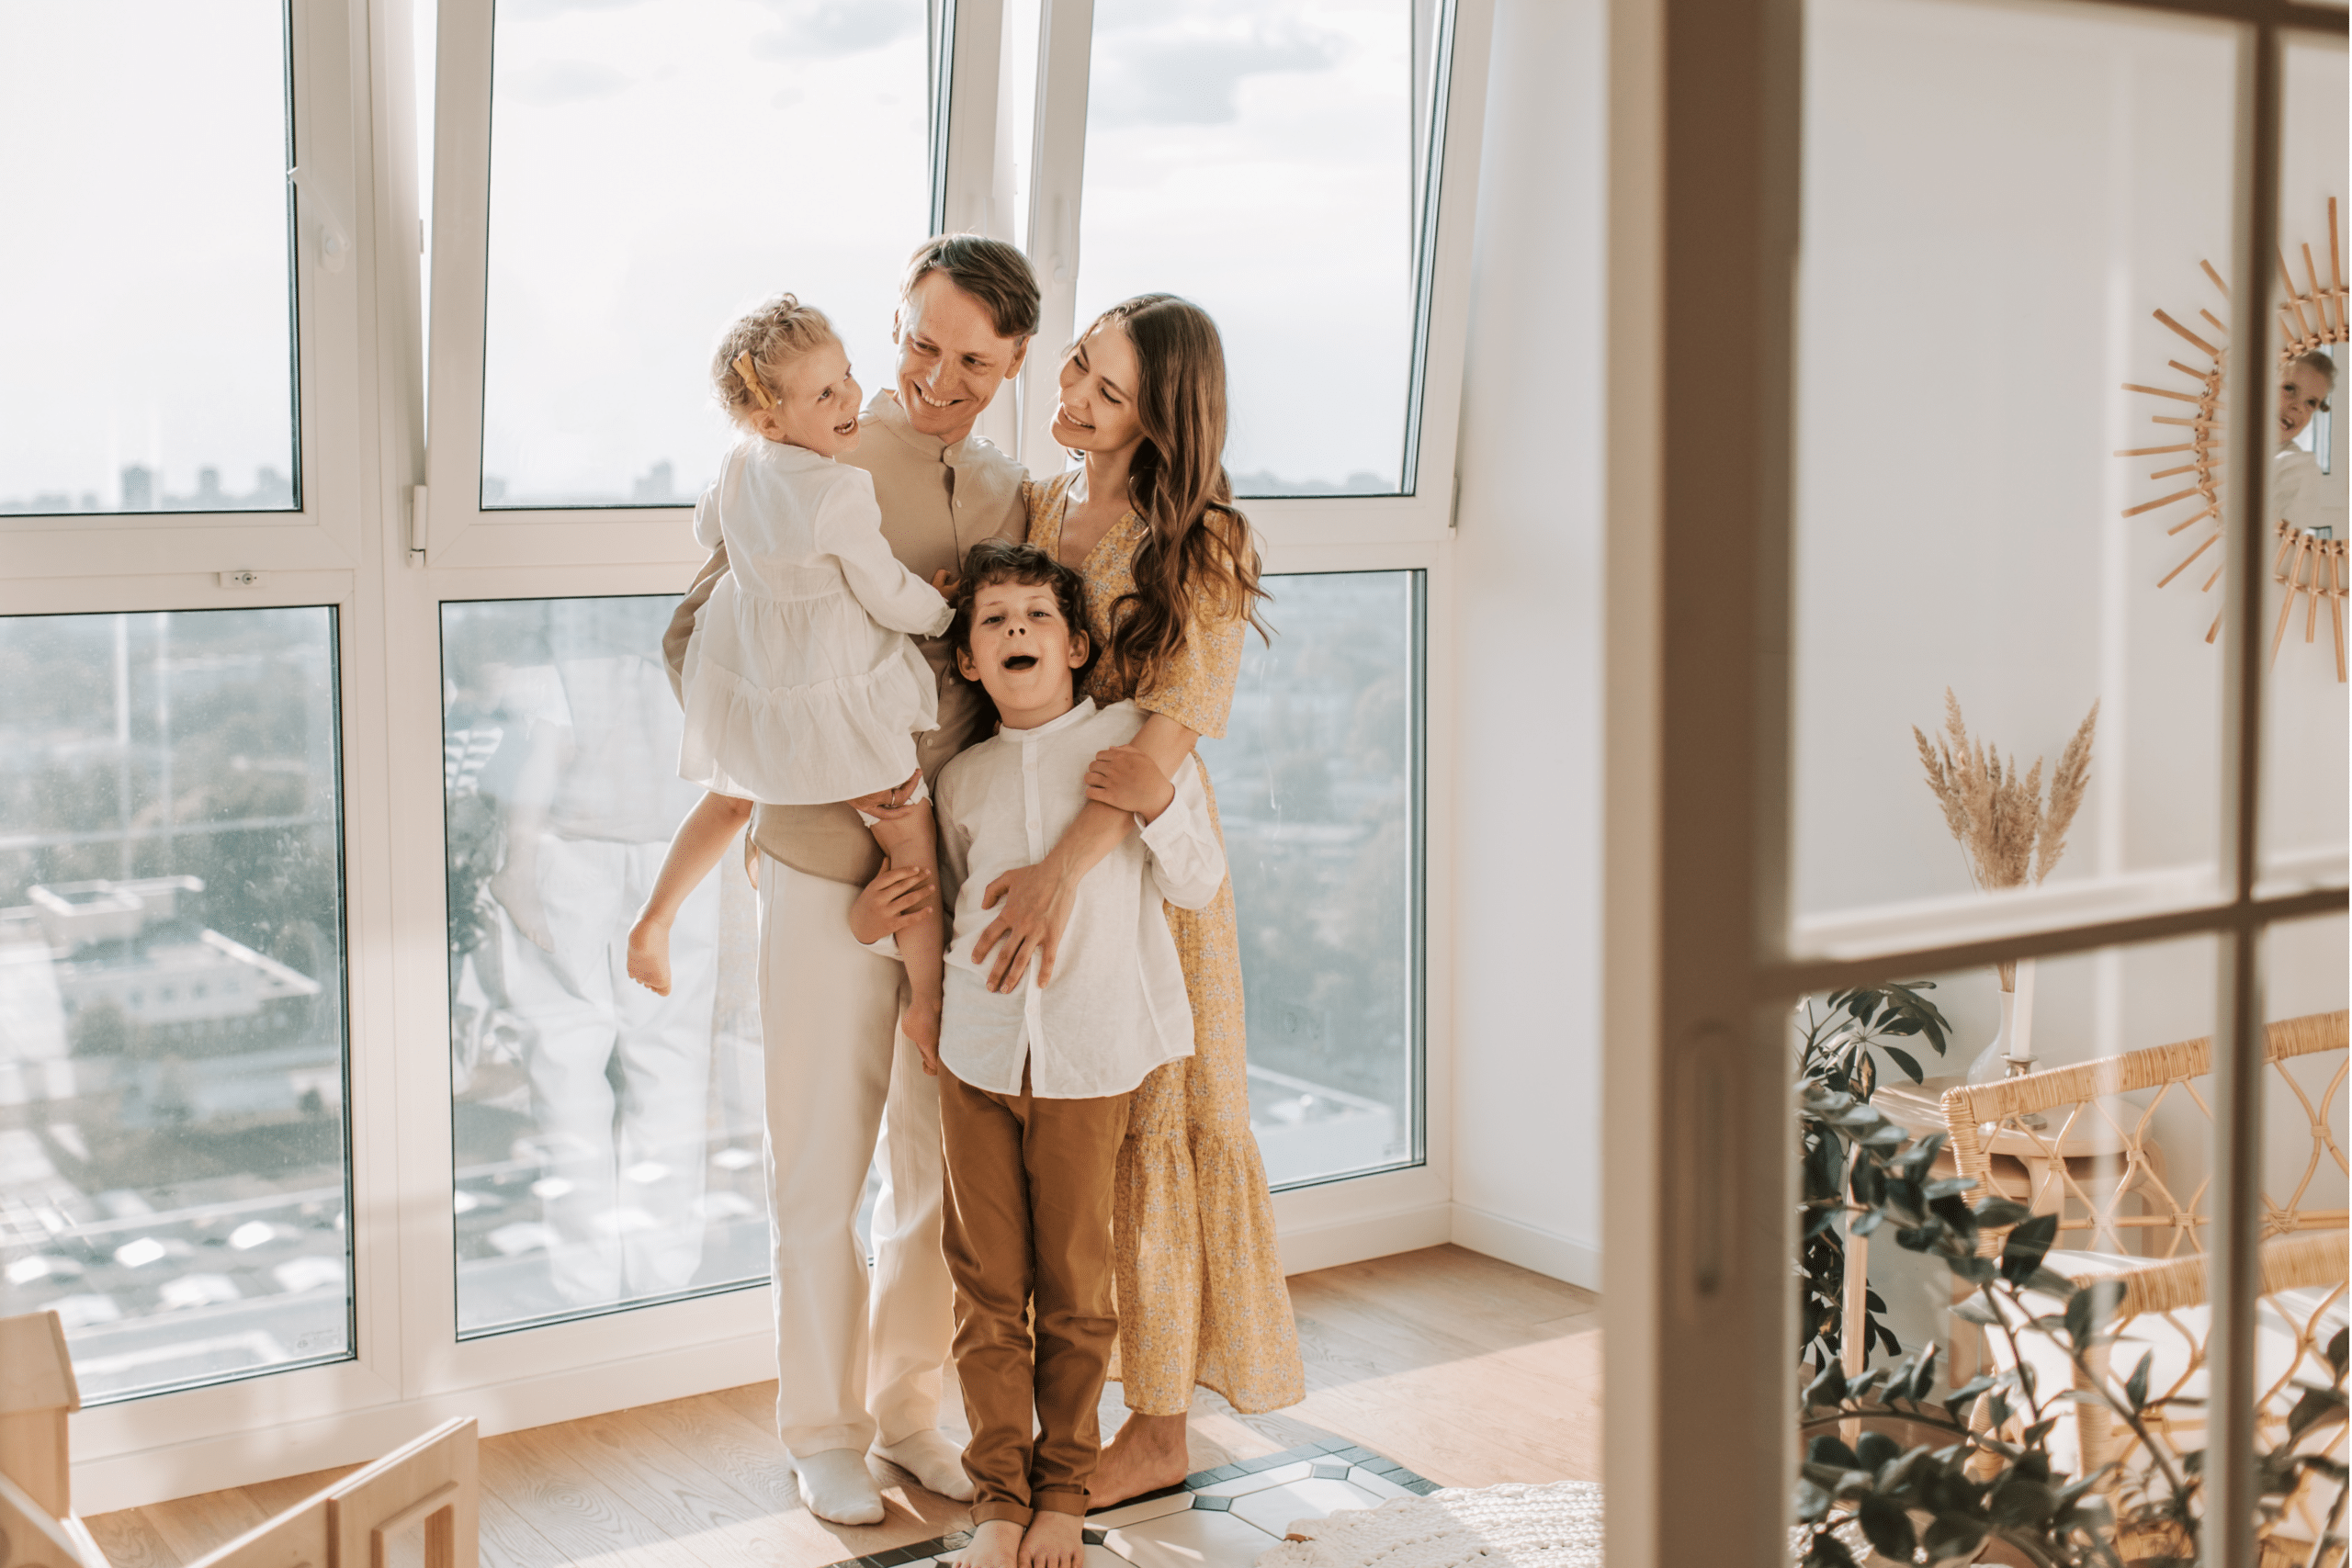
(334, 240)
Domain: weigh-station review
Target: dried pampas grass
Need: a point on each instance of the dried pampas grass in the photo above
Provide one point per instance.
(2008, 835)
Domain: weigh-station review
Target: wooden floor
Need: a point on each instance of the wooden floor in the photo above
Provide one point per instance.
(1469, 1370)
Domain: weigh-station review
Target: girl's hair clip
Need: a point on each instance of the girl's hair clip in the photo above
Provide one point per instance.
(750, 375)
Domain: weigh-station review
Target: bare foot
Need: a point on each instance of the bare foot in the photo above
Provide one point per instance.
(1148, 1452)
(649, 954)
(1053, 1541)
(995, 1543)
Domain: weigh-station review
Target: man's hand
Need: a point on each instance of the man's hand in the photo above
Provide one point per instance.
(889, 803)
(1126, 777)
(890, 902)
(1037, 904)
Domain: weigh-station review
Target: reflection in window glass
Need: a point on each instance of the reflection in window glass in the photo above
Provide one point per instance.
(657, 170)
(172, 1115)
(1264, 161)
(143, 149)
(607, 1139)
(1317, 782)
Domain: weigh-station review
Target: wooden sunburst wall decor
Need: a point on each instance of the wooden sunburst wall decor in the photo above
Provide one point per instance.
(2312, 568)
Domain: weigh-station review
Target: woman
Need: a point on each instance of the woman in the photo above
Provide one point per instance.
(1171, 580)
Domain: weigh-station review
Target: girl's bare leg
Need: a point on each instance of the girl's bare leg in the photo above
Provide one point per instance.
(913, 840)
(701, 840)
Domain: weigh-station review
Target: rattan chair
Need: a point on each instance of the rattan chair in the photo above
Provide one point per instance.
(2163, 1314)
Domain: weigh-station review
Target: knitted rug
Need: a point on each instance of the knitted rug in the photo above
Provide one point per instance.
(1555, 1525)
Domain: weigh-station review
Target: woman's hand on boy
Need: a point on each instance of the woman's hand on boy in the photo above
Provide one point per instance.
(890, 902)
(944, 583)
(1126, 777)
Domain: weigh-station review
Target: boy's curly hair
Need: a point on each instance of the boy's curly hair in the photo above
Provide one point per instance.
(993, 561)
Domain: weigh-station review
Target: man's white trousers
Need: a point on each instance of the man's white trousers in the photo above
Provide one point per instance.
(858, 1358)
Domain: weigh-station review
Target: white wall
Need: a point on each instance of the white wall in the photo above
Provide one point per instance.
(1527, 560)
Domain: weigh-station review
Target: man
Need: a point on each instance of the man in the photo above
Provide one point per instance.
(858, 1369)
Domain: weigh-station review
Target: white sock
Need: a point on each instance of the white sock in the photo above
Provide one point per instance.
(933, 1457)
(836, 1485)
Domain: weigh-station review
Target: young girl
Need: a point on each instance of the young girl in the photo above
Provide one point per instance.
(801, 686)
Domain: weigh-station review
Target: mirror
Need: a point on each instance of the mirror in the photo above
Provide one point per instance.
(2307, 487)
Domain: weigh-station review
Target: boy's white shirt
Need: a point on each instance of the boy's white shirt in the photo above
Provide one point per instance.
(1116, 1007)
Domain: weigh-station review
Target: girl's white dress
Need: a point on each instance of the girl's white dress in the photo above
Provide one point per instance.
(801, 686)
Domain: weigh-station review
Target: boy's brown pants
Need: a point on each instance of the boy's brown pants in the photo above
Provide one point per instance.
(1029, 1215)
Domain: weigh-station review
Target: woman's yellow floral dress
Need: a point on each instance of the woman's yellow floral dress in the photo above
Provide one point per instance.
(1200, 1280)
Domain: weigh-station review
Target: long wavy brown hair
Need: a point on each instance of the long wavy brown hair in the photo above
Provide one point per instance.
(1198, 561)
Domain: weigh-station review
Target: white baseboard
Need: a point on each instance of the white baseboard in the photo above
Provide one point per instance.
(1308, 1247)
(1545, 1252)
(139, 1476)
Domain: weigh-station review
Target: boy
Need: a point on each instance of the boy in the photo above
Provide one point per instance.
(1033, 1094)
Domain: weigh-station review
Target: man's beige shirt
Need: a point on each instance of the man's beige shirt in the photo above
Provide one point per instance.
(937, 501)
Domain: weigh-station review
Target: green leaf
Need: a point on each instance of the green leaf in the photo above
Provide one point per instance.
(2316, 1404)
(1907, 1062)
(1974, 1309)
(1827, 1389)
(2021, 1502)
(1827, 1450)
(1876, 1448)
(2091, 1310)
(2336, 1351)
(2135, 1387)
(2027, 1245)
(1812, 1501)
(1888, 1528)
(1954, 1535)
(1993, 1213)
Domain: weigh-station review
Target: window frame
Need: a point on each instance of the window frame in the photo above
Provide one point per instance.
(325, 533)
(1699, 968)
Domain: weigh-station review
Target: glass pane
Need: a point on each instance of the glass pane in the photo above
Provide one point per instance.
(608, 1144)
(144, 179)
(2088, 1120)
(728, 152)
(2306, 986)
(171, 1108)
(2304, 782)
(1317, 782)
(1265, 160)
(1969, 319)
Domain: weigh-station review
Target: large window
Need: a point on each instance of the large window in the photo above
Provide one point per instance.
(1267, 162)
(149, 350)
(300, 644)
(655, 171)
(1318, 790)
(172, 1016)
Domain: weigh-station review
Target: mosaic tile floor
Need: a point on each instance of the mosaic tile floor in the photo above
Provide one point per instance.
(1218, 1519)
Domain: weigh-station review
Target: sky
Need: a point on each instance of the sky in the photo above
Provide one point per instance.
(658, 168)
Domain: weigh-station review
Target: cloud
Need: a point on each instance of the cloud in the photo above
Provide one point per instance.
(1192, 81)
(561, 82)
(828, 29)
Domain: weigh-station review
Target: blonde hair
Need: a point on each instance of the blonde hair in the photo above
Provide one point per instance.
(775, 334)
(1198, 564)
(2321, 363)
